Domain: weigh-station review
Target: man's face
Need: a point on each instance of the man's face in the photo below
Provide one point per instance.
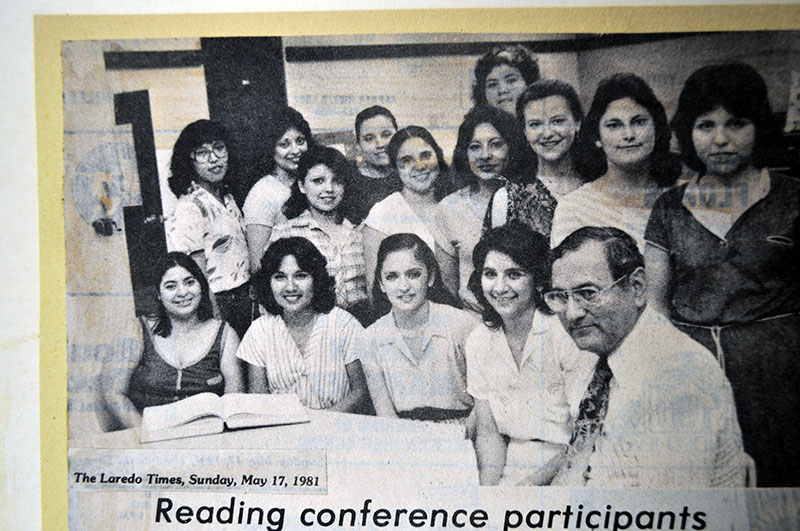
(374, 137)
(601, 326)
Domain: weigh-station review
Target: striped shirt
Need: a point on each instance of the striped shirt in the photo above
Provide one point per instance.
(345, 256)
(318, 374)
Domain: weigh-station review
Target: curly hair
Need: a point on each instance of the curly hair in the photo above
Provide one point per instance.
(205, 310)
(514, 55)
(528, 249)
(326, 156)
(521, 163)
(441, 187)
(739, 89)
(665, 166)
(194, 135)
(411, 242)
(308, 259)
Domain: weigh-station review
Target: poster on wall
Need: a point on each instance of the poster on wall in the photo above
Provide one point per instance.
(457, 279)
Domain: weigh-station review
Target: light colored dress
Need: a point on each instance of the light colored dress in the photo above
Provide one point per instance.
(530, 403)
(394, 215)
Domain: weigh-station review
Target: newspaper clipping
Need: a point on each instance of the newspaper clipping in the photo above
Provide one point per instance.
(541, 281)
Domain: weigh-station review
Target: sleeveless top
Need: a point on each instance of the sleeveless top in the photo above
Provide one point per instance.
(155, 382)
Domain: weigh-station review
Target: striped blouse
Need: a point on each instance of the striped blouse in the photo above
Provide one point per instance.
(317, 374)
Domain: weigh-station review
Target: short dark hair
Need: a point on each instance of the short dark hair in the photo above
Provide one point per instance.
(740, 90)
(194, 135)
(308, 259)
(372, 112)
(622, 253)
(514, 55)
(327, 156)
(664, 165)
(406, 241)
(528, 249)
(284, 119)
(520, 157)
(441, 187)
(205, 310)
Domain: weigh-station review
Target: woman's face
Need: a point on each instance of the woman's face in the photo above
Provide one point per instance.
(487, 152)
(292, 287)
(627, 133)
(506, 286)
(417, 165)
(724, 142)
(550, 127)
(405, 280)
(179, 292)
(322, 188)
(210, 161)
(504, 84)
(288, 149)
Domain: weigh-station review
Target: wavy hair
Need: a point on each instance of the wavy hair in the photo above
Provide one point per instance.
(194, 135)
(308, 259)
(528, 249)
(514, 55)
(664, 165)
(521, 159)
(286, 118)
(331, 159)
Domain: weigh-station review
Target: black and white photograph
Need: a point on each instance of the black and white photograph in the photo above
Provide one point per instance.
(425, 264)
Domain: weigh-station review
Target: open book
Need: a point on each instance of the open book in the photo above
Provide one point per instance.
(207, 413)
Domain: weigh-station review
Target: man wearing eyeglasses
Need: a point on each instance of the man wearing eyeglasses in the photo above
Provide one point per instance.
(658, 410)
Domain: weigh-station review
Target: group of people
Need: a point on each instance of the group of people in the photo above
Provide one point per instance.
(585, 318)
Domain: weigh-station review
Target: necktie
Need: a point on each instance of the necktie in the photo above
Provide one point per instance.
(591, 413)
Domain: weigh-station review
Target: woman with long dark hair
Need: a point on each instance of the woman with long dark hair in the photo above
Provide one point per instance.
(422, 170)
(284, 142)
(207, 223)
(490, 149)
(304, 344)
(185, 350)
(415, 366)
(314, 211)
(625, 154)
(518, 360)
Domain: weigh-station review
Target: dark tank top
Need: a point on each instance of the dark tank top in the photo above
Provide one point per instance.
(155, 382)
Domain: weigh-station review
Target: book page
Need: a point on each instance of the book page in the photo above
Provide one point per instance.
(241, 410)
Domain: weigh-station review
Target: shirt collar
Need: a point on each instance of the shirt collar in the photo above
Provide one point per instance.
(305, 219)
(391, 335)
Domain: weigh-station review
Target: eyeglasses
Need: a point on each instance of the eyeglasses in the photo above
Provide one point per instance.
(203, 154)
(587, 297)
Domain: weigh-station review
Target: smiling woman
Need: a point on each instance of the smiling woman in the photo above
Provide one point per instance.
(185, 351)
(304, 345)
(519, 351)
(207, 223)
(314, 212)
(420, 164)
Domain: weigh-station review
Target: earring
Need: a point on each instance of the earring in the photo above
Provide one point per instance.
(598, 144)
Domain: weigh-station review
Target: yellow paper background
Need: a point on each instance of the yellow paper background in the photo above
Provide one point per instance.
(49, 31)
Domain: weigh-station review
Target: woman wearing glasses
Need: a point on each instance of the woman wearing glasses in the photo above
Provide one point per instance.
(519, 361)
(206, 223)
